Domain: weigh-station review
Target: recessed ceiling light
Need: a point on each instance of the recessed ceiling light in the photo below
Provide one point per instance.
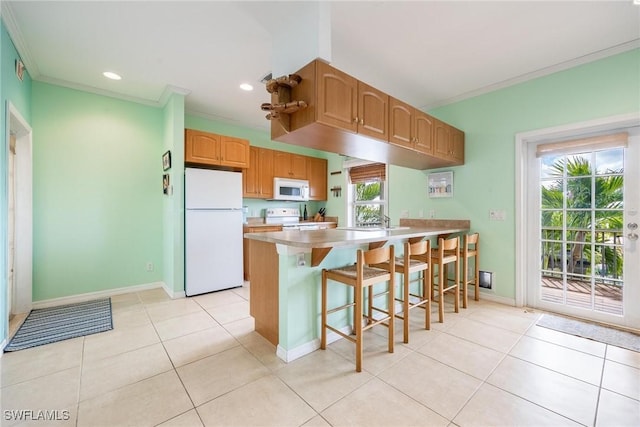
(246, 86)
(112, 76)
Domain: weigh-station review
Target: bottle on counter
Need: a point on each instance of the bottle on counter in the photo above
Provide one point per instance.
(304, 215)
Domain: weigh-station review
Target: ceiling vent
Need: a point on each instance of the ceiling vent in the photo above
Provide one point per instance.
(266, 78)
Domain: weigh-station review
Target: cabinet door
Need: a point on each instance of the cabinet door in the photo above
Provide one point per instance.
(251, 175)
(234, 152)
(423, 132)
(298, 166)
(337, 98)
(265, 167)
(289, 165)
(317, 176)
(202, 147)
(441, 137)
(457, 145)
(373, 112)
(281, 164)
(400, 123)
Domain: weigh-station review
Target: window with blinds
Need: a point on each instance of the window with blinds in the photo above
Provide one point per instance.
(367, 194)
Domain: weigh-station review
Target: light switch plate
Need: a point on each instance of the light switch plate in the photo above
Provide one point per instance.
(497, 215)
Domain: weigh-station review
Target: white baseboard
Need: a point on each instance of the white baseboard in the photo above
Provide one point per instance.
(310, 347)
(101, 294)
(172, 294)
(490, 296)
(3, 344)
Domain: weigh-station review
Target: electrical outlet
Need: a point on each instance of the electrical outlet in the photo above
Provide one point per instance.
(497, 215)
(404, 213)
(432, 213)
(421, 213)
(149, 266)
(301, 260)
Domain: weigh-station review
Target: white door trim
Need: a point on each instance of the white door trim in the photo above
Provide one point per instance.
(23, 275)
(523, 143)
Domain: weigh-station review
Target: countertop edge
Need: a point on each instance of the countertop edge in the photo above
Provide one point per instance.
(343, 238)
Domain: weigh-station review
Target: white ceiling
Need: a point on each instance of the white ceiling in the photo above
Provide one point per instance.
(426, 53)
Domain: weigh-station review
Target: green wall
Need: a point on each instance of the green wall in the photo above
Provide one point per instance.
(97, 192)
(19, 94)
(607, 87)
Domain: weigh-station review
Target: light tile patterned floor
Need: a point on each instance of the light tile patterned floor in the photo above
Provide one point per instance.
(197, 361)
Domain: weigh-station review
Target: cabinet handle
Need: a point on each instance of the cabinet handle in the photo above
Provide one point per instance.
(361, 121)
(355, 120)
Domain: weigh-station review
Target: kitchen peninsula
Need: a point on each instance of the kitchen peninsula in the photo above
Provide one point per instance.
(287, 266)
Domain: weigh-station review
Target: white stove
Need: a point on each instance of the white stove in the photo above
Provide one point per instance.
(289, 218)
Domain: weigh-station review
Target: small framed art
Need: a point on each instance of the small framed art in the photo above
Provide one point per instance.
(166, 184)
(441, 184)
(166, 161)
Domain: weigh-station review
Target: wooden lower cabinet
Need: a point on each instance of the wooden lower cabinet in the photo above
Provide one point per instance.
(263, 302)
(246, 244)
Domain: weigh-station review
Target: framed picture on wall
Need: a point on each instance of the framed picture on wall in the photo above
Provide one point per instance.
(441, 184)
(166, 161)
(165, 183)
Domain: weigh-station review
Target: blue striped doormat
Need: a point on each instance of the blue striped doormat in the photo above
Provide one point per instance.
(53, 324)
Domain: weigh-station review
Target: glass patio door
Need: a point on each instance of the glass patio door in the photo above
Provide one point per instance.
(589, 195)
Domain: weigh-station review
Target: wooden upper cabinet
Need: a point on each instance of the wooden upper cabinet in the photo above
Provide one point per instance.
(289, 165)
(448, 143)
(202, 147)
(373, 112)
(206, 148)
(401, 122)
(423, 135)
(258, 178)
(337, 100)
(457, 143)
(317, 176)
(234, 152)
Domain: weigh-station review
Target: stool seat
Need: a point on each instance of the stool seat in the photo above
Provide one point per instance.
(351, 271)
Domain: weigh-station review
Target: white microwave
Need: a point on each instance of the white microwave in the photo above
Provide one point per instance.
(295, 190)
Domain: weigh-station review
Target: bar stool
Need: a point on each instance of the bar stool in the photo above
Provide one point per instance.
(359, 276)
(447, 252)
(415, 260)
(470, 249)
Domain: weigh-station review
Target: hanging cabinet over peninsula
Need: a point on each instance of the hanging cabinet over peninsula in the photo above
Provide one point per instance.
(347, 116)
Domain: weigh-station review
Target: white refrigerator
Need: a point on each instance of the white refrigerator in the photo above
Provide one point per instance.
(213, 230)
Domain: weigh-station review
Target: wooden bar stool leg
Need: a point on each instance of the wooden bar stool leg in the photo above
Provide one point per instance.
(358, 326)
(405, 302)
(476, 280)
(456, 290)
(323, 340)
(426, 284)
(391, 308)
(465, 281)
(441, 277)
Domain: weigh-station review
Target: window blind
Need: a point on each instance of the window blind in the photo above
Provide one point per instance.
(367, 173)
(602, 142)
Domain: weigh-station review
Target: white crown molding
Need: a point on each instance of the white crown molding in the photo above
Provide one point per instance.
(228, 120)
(171, 90)
(601, 54)
(18, 41)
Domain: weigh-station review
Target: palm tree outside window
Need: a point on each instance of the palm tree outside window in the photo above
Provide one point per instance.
(367, 195)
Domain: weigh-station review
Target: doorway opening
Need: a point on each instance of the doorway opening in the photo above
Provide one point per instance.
(19, 218)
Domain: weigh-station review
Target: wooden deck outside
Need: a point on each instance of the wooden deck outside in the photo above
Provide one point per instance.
(607, 299)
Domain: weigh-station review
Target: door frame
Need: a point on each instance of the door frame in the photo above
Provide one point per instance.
(525, 148)
(23, 258)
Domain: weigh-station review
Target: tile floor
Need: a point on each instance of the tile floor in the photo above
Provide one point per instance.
(197, 361)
